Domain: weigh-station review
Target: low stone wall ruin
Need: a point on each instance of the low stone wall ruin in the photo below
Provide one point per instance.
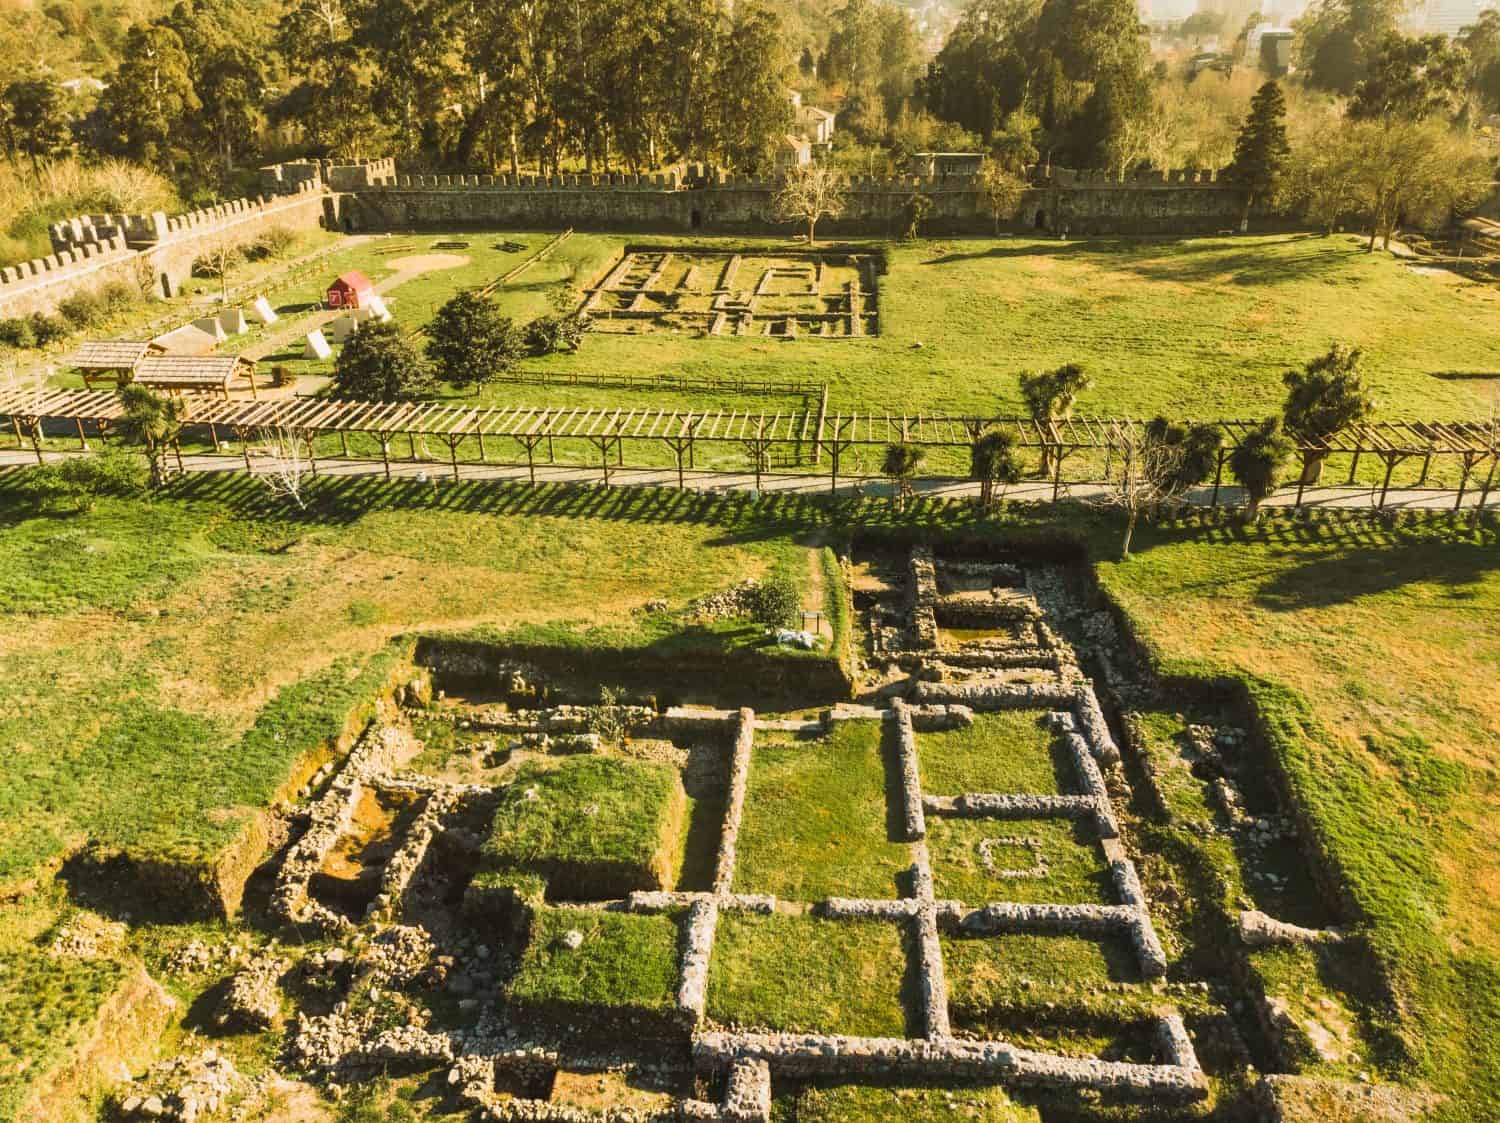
(739, 778)
(813, 1055)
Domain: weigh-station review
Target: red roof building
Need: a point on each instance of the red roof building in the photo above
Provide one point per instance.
(350, 290)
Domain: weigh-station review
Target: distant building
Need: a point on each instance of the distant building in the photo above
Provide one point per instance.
(811, 122)
(793, 151)
(1270, 48)
(351, 290)
(935, 165)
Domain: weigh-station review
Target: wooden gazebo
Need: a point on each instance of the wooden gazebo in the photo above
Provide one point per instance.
(196, 373)
(112, 359)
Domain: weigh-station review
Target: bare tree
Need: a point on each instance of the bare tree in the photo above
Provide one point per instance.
(809, 193)
(219, 259)
(1158, 463)
(283, 469)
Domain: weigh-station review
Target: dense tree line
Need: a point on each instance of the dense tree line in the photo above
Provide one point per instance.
(209, 88)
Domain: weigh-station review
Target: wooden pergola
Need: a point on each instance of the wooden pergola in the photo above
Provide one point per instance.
(1472, 445)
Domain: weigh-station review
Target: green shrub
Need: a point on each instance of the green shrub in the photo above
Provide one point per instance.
(47, 329)
(119, 296)
(81, 310)
(78, 481)
(17, 333)
(274, 241)
(775, 601)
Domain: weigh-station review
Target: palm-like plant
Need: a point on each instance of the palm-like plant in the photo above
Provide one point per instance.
(899, 466)
(153, 421)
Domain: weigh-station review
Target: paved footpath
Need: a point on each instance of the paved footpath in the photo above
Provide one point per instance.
(1356, 498)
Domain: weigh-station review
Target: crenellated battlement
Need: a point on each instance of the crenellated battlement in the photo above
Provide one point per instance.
(91, 250)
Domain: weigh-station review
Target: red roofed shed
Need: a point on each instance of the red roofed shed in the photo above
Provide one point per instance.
(350, 290)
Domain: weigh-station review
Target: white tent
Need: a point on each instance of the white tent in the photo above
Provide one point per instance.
(317, 346)
(377, 306)
(260, 311)
(343, 327)
(210, 325)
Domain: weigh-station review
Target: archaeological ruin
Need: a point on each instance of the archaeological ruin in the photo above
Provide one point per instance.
(457, 899)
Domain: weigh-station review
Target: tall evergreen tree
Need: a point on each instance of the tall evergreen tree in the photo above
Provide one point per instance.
(1261, 150)
(36, 120)
(149, 102)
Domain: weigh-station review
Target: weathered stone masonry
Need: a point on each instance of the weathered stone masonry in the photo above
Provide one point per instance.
(1082, 203)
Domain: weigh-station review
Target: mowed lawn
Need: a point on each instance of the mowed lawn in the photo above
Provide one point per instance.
(1200, 327)
(140, 641)
(1378, 654)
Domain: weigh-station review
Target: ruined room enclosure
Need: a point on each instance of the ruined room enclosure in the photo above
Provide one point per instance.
(989, 875)
(787, 295)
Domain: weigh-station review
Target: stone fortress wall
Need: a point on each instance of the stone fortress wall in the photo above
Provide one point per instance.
(155, 251)
(372, 197)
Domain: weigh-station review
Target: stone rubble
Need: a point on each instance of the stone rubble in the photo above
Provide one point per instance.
(253, 997)
(182, 1089)
(1038, 868)
(984, 805)
(698, 946)
(747, 1097)
(798, 1055)
(1258, 930)
(87, 936)
(923, 596)
(376, 753)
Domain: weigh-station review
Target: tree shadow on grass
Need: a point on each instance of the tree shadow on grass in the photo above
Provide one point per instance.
(1184, 260)
(743, 516)
(1350, 575)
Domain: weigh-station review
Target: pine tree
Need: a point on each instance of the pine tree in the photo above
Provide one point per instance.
(1261, 150)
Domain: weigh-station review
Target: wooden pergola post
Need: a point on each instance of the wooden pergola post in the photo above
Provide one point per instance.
(453, 443)
(680, 446)
(82, 440)
(1391, 460)
(835, 447)
(529, 441)
(34, 430)
(385, 453)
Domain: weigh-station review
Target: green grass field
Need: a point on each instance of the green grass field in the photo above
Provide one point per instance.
(800, 973)
(139, 628)
(815, 821)
(1076, 873)
(626, 964)
(1009, 751)
(592, 826)
(1199, 327)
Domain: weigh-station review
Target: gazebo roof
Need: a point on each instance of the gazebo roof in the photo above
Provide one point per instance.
(110, 354)
(187, 371)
